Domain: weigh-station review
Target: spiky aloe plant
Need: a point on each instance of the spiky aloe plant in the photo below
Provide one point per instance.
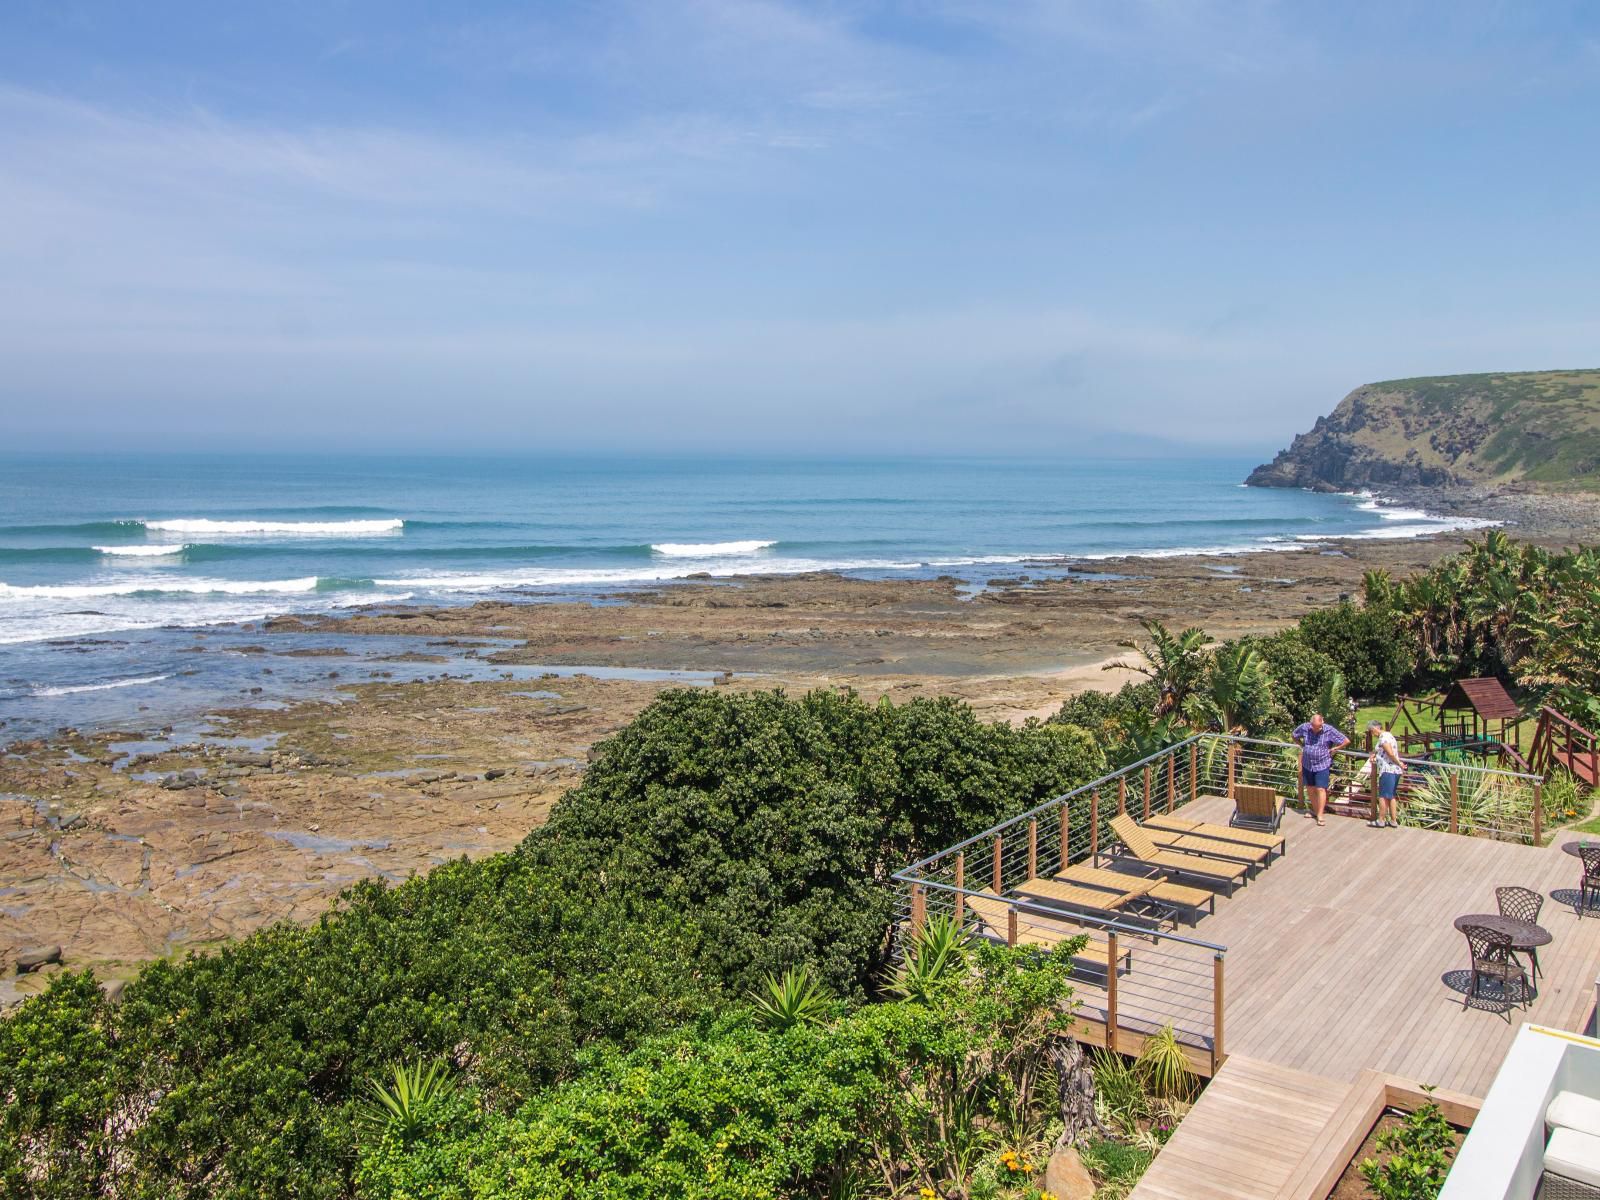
(1164, 1068)
(793, 998)
(403, 1105)
(938, 952)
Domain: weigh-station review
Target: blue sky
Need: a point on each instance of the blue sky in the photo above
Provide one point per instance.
(924, 226)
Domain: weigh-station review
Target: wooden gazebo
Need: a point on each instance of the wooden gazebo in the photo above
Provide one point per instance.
(1475, 717)
(1479, 710)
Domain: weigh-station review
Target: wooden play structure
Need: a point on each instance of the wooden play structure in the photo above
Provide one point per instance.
(1476, 719)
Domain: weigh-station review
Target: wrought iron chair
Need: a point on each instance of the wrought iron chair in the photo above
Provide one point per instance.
(1590, 857)
(1492, 958)
(1523, 904)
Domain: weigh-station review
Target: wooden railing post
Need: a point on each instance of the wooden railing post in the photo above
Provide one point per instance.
(919, 908)
(1122, 794)
(1455, 800)
(1194, 770)
(1033, 848)
(1066, 842)
(1217, 1004)
(1147, 791)
(1233, 749)
(995, 877)
(1011, 926)
(961, 883)
(1094, 826)
(1172, 781)
(1538, 814)
(1111, 990)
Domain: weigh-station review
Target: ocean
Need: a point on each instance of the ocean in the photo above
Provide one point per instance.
(94, 549)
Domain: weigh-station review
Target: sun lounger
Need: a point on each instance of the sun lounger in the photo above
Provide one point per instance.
(1254, 857)
(1178, 895)
(1173, 823)
(993, 914)
(1127, 903)
(1256, 807)
(1171, 862)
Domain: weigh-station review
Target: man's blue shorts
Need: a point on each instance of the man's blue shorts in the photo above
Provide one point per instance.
(1314, 779)
(1388, 784)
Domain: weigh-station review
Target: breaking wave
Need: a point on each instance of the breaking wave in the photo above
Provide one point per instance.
(97, 687)
(143, 551)
(708, 549)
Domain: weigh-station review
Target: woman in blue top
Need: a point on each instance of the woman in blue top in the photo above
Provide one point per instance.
(1318, 740)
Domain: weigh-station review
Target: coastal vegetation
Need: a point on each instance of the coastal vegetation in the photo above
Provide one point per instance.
(598, 979)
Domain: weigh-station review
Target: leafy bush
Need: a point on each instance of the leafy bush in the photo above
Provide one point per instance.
(1299, 675)
(1420, 1150)
(773, 820)
(1368, 644)
(903, 1093)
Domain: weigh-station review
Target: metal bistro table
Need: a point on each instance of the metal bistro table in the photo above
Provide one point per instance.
(1525, 935)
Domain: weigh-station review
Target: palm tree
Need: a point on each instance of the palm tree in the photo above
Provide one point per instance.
(1235, 696)
(1173, 661)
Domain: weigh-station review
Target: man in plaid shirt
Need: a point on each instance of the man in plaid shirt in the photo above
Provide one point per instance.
(1318, 740)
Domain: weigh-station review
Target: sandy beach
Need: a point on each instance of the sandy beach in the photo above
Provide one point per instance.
(123, 845)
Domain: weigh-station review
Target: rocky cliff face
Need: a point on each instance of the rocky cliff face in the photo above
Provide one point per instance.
(1534, 427)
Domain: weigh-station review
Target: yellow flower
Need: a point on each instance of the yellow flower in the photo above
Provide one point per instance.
(1047, 1196)
(929, 1194)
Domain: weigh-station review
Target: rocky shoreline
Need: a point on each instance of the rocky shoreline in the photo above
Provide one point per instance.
(123, 845)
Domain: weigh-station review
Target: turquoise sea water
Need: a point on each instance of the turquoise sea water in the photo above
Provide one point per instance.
(128, 585)
(91, 545)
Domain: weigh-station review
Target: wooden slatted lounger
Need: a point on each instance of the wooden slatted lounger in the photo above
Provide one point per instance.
(1178, 895)
(1120, 905)
(1137, 843)
(1256, 807)
(1254, 857)
(1277, 843)
(993, 913)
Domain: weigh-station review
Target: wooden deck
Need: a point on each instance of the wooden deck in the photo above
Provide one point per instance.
(1230, 1147)
(1342, 959)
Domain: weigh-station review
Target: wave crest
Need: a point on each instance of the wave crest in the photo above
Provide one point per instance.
(143, 551)
(97, 687)
(708, 549)
(299, 528)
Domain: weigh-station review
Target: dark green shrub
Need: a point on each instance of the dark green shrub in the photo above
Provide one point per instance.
(1368, 644)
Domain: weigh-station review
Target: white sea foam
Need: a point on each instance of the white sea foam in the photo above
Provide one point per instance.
(131, 587)
(708, 549)
(143, 551)
(297, 528)
(98, 687)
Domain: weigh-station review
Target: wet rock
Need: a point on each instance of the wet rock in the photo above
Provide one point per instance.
(495, 773)
(250, 759)
(182, 781)
(34, 957)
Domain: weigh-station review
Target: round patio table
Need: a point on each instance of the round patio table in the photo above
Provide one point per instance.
(1572, 847)
(1524, 935)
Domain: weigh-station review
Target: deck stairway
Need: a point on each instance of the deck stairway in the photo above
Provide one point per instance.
(1561, 742)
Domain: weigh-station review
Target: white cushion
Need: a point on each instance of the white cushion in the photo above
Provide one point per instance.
(1574, 1155)
(1574, 1110)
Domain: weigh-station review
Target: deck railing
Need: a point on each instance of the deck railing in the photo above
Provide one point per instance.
(1176, 977)
(1455, 797)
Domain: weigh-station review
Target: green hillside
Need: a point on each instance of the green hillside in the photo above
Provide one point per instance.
(1534, 428)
